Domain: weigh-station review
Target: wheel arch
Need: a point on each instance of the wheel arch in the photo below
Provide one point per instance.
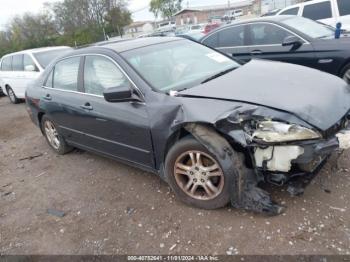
(6, 86)
(342, 67)
(185, 130)
(40, 117)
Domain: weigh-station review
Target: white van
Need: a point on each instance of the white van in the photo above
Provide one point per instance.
(17, 70)
(326, 11)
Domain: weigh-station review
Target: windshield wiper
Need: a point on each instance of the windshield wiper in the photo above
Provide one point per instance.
(218, 75)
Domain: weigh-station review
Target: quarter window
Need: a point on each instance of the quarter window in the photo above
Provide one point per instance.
(233, 36)
(290, 11)
(318, 11)
(267, 34)
(100, 74)
(66, 74)
(212, 40)
(344, 7)
(17, 63)
(6, 64)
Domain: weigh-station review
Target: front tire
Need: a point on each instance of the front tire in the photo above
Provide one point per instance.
(12, 96)
(54, 139)
(196, 175)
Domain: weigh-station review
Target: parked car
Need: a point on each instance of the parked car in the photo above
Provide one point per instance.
(19, 69)
(194, 116)
(194, 36)
(210, 27)
(272, 12)
(289, 39)
(189, 29)
(195, 29)
(327, 11)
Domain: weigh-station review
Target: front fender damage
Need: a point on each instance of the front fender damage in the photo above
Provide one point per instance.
(245, 193)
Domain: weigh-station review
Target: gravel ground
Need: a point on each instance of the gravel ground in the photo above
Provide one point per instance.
(111, 208)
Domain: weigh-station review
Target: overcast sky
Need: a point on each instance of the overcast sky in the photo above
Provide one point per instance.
(139, 8)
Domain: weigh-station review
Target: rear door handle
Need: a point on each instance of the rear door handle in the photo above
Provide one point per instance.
(87, 106)
(48, 97)
(256, 52)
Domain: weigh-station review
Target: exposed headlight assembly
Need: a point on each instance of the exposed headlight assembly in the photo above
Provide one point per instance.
(272, 132)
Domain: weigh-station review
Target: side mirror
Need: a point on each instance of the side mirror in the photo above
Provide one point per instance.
(119, 94)
(293, 41)
(29, 68)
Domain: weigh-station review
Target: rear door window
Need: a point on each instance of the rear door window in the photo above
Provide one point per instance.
(6, 64)
(29, 64)
(231, 37)
(344, 7)
(66, 74)
(318, 11)
(290, 11)
(267, 34)
(17, 63)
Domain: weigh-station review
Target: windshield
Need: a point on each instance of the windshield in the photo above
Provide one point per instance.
(309, 27)
(177, 65)
(46, 57)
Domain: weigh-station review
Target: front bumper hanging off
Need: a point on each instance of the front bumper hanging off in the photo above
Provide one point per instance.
(245, 192)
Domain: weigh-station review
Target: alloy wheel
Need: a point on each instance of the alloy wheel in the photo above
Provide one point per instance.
(12, 95)
(199, 175)
(52, 134)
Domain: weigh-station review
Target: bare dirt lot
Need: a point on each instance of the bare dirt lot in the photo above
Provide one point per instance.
(111, 208)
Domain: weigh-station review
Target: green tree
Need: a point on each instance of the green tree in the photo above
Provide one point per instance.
(29, 31)
(155, 7)
(67, 22)
(117, 18)
(167, 8)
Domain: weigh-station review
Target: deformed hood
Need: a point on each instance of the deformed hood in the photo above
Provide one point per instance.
(318, 98)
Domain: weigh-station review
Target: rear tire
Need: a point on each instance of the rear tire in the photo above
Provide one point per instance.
(54, 139)
(12, 96)
(190, 171)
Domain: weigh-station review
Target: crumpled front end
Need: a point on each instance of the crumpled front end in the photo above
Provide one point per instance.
(281, 148)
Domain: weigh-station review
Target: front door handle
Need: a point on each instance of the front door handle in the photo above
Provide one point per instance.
(256, 52)
(87, 106)
(48, 97)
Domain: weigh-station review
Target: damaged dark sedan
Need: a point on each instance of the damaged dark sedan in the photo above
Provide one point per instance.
(210, 127)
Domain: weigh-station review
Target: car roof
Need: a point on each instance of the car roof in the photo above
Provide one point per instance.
(276, 19)
(37, 50)
(131, 44)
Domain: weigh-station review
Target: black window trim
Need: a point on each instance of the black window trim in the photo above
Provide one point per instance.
(248, 44)
(337, 11)
(310, 3)
(81, 76)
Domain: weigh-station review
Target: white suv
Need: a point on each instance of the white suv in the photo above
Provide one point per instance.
(326, 11)
(17, 70)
